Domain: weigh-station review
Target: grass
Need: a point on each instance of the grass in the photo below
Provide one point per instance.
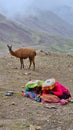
(64, 47)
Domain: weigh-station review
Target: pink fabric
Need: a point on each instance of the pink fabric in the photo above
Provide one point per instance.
(60, 89)
(63, 101)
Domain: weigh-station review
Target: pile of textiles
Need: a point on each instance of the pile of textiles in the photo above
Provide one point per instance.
(33, 90)
(49, 91)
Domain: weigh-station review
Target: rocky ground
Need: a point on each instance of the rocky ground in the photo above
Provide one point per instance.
(21, 113)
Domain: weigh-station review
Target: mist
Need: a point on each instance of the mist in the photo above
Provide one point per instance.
(11, 8)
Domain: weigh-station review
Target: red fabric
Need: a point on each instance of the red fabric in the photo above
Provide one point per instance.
(44, 92)
(60, 89)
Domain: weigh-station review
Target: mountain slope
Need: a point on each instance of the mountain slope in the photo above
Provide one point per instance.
(45, 29)
(65, 12)
(46, 21)
(11, 32)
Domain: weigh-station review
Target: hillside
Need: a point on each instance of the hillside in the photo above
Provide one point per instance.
(47, 21)
(65, 12)
(52, 37)
(10, 31)
(45, 30)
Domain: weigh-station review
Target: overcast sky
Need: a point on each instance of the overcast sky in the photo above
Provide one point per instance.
(11, 7)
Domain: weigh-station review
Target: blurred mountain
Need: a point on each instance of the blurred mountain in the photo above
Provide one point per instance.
(65, 12)
(42, 28)
(11, 32)
(48, 22)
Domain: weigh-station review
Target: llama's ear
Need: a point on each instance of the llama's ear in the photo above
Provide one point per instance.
(9, 45)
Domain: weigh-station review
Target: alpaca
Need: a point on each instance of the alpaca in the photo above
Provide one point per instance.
(24, 53)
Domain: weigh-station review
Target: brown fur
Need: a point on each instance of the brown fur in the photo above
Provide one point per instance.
(24, 53)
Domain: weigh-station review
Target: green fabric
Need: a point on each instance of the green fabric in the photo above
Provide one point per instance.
(34, 84)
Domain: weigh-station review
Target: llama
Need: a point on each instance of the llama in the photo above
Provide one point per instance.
(24, 53)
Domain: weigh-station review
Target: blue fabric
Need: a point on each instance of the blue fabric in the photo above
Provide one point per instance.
(30, 94)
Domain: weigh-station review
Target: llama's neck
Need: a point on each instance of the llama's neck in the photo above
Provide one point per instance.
(12, 52)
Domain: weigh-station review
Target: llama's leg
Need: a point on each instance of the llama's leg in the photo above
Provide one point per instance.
(33, 64)
(30, 60)
(22, 64)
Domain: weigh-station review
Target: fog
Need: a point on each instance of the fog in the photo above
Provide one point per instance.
(13, 7)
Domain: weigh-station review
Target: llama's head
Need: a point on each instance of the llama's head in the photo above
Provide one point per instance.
(9, 47)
